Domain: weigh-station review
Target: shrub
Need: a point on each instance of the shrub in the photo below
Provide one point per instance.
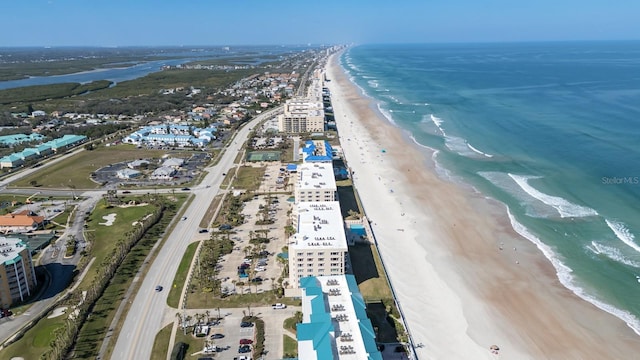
(179, 351)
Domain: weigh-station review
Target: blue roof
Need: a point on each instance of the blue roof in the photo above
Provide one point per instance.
(312, 154)
(292, 167)
(319, 329)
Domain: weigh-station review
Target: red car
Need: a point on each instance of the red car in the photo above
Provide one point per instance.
(246, 341)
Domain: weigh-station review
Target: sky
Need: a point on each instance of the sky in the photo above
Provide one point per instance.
(275, 22)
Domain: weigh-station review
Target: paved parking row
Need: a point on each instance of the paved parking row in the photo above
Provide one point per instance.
(229, 326)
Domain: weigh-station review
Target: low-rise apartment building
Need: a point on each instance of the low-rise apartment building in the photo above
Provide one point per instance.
(334, 321)
(315, 182)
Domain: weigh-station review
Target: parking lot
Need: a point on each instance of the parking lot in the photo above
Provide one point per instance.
(232, 333)
(265, 267)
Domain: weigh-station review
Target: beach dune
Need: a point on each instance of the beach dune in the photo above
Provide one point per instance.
(465, 280)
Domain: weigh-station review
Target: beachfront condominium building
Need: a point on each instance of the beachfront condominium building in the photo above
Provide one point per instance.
(319, 246)
(301, 115)
(334, 321)
(17, 275)
(315, 182)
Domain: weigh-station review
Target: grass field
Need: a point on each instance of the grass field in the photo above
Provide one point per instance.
(106, 237)
(76, 170)
(249, 178)
(369, 273)
(290, 347)
(206, 300)
(35, 341)
(173, 299)
(211, 211)
(194, 344)
(159, 351)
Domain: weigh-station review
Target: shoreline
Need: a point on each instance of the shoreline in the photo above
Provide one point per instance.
(470, 294)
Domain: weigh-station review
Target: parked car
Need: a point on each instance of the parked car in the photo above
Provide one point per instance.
(256, 280)
(279, 306)
(201, 231)
(246, 341)
(217, 336)
(260, 268)
(185, 189)
(246, 324)
(244, 349)
(126, 192)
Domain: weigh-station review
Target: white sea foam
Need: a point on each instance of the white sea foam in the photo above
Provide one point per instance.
(566, 278)
(386, 114)
(373, 83)
(438, 122)
(478, 151)
(533, 207)
(623, 233)
(612, 253)
(458, 145)
(564, 207)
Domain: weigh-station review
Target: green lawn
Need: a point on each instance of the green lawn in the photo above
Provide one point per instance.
(206, 300)
(290, 347)
(74, 172)
(211, 211)
(194, 344)
(159, 351)
(106, 237)
(181, 275)
(249, 178)
(35, 341)
(368, 272)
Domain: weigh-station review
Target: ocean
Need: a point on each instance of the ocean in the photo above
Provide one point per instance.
(552, 130)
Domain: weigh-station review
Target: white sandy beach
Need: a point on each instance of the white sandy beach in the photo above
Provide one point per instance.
(440, 243)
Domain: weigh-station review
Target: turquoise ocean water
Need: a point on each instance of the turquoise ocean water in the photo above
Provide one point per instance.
(552, 130)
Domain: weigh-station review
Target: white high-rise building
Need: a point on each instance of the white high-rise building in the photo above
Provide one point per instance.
(302, 115)
(320, 246)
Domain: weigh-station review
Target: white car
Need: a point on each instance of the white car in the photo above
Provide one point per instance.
(278, 306)
(260, 268)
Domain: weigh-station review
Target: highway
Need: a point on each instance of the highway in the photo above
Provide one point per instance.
(145, 317)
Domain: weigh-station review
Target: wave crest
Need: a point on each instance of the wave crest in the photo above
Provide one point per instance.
(564, 207)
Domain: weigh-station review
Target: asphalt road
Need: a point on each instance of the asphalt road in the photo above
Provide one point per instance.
(145, 316)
